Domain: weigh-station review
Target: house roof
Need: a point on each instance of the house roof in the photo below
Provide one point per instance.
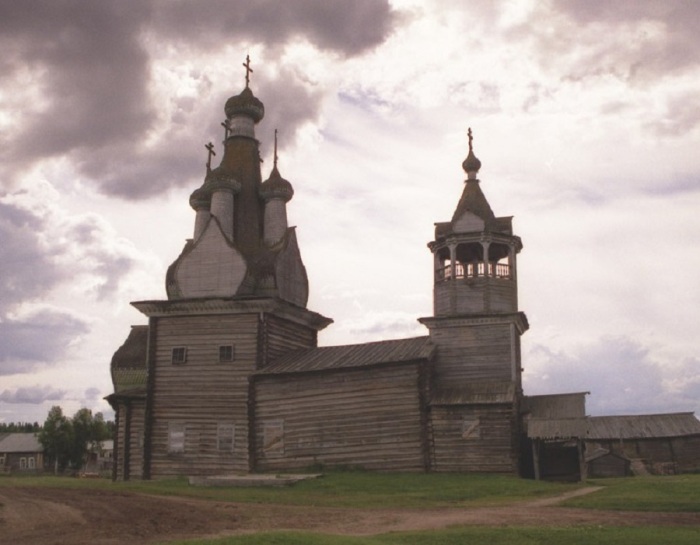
(476, 393)
(648, 426)
(351, 356)
(20, 442)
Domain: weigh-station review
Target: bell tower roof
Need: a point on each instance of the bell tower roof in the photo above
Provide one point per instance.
(473, 199)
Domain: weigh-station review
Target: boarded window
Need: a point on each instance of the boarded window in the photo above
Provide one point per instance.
(226, 353)
(471, 428)
(225, 437)
(273, 438)
(179, 355)
(176, 438)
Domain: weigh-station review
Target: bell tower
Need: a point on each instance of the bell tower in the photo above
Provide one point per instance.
(476, 327)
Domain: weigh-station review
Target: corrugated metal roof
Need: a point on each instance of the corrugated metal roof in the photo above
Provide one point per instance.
(570, 405)
(475, 393)
(353, 355)
(647, 426)
(20, 442)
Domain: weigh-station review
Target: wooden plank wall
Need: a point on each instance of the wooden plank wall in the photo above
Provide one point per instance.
(281, 336)
(491, 449)
(136, 426)
(473, 353)
(664, 455)
(368, 417)
(202, 393)
(475, 295)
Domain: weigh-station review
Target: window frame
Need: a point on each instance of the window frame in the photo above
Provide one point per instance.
(178, 355)
(227, 358)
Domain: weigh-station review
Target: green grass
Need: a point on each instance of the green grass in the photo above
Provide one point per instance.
(342, 489)
(580, 535)
(671, 494)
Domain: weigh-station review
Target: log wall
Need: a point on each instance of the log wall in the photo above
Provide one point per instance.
(474, 438)
(478, 353)
(202, 396)
(368, 417)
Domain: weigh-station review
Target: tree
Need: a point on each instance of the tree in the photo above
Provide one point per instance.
(57, 438)
(88, 433)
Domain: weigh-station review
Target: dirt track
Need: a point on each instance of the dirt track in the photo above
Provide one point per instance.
(43, 516)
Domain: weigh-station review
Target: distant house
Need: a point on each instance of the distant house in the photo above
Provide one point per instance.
(21, 452)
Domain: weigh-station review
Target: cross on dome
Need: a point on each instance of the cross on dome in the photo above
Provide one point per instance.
(210, 148)
(248, 70)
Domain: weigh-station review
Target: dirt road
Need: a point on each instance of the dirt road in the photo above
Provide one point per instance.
(45, 516)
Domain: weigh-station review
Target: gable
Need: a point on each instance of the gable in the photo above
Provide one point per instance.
(212, 268)
(468, 222)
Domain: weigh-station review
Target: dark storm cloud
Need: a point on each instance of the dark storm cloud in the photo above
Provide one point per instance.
(92, 67)
(346, 27)
(33, 395)
(92, 70)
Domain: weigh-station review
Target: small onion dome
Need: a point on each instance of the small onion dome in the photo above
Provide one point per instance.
(221, 179)
(276, 187)
(471, 164)
(200, 199)
(245, 104)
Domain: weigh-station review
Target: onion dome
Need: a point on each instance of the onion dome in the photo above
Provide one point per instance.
(221, 179)
(200, 199)
(245, 104)
(217, 179)
(276, 187)
(471, 164)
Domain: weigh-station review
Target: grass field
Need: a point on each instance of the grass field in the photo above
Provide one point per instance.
(478, 536)
(357, 489)
(344, 489)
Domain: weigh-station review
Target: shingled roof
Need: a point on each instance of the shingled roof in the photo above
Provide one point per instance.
(647, 426)
(128, 367)
(351, 356)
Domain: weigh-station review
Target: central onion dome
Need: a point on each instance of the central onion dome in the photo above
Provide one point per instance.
(245, 104)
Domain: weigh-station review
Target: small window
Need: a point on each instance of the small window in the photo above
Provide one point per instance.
(226, 353)
(176, 438)
(179, 355)
(225, 437)
(23, 463)
(31, 463)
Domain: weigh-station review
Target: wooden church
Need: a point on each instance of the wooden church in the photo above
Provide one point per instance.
(227, 376)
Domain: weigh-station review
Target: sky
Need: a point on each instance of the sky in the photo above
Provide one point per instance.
(586, 119)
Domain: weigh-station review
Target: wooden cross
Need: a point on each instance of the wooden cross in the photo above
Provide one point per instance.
(248, 70)
(226, 124)
(275, 148)
(210, 147)
(469, 134)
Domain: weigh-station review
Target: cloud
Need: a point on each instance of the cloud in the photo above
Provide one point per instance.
(84, 73)
(41, 336)
(34, 395)
(80, 78)
(348, 28)
(621, 374)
